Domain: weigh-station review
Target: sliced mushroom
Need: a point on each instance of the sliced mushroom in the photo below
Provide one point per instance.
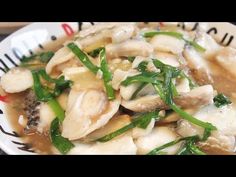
(198, 66)
(123, 146)
(93, 42)
(158, 137)
(165, 43)
(150, 66)
(129, 48)
(126, 92)
(183, 86)
(96, 29)
(118, 63)
(174, 117)
(46, 116)
(122, 33)
(224, 120)
(103, 34)
(120, 75)
(167, 58)
(74, 62)
(199, 96)
(147, 90)
(226, 58)
(82, 78)
(139, 132)
(61, 56)
(138, 60)
(208, 43)
(17, 80)
(114, 124)
(219, 144)
(88, 111)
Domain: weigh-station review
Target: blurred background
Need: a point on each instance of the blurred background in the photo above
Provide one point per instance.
(9, 27)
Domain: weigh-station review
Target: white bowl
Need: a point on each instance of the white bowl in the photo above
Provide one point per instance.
(33, 38)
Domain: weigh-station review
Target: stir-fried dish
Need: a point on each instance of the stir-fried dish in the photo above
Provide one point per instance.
(127, 88)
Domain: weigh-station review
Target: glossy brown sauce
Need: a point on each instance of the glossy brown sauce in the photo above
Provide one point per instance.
(40, 143)
(223, 81)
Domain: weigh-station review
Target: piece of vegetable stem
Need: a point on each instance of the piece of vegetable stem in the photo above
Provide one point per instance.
(141, 121)
(57, 109)
(106, 74)
(61, 143)
(192, 119)
(184, 114)
(190, 140)
(83, 57)
(168, 33)
(138, 90)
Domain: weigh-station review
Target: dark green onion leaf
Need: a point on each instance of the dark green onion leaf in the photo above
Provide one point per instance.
(143, 77)
(168, 33)
(45, 76)
(189, 147)
(158, 149)
(175, 72)
(32, 66)
(192, 119)
(138, 90)
(106, 74)
(116, 133)
(195, 45)
(161, 153)
(174, 90)
(221, 100)
(182, 113)
(141, 121)
(142, 66)
(144, 119)
(206, 134)
(131, 59)
(61, 143)
(165, 91)
(83, 57)
(61, 85)
(41, 93)
(191, 83)
(95, 52)
(46, 56)
(167, 86)
(25, 59)
(176, 35)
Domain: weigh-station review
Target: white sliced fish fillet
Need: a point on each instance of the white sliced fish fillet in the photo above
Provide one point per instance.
(199, 96)
(89, 110)
(158, 137)
(17, 80)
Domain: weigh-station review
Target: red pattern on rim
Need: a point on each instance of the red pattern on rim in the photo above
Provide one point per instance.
(68, 29)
